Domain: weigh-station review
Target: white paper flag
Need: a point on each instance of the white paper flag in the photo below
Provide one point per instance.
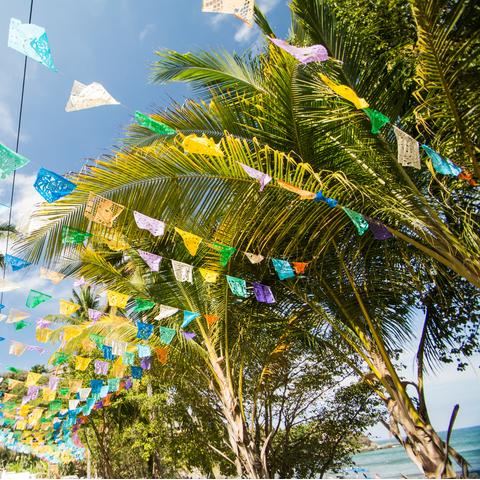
(166, 311)
(254, 258)
(182, 271)
(408, 149)
(243, 9)
(118, 347)
(88, 96)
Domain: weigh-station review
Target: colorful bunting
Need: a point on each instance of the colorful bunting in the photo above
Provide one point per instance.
(357, 219)
(52, 186)
(119, 347)
(378, 229)
(117, 299)
(153, 125)
(15, 262)
(191, 241)
(345, 92)
(88, 96)
(299, 267)
(201, 145)
(128, 358)
(101, 210)
(30, 40)
(263, 178)
(70, 332)
(32, 378)
(442, 165)
(188, 317)
(152, 260)
(283, 268)
(182, 271)
(314, 53)
(35, 298)
(53, 382)
(154, 226)
(142, 305)
(81, 363)
(167, 334)
(68, 308)
(144, 331)
(320, 197)
(243, 9)
(263, 293)
(59, 358)
(74, 236)
(238, 286)
(208, 275)
(83, 393)
(165, 312)
(225, 252)
(408, 150)
(303, 194)
(162, 354)
(113, 384)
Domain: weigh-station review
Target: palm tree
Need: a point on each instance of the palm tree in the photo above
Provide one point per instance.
(283, 120)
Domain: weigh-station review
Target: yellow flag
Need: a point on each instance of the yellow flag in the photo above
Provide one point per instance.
(67, 308)
(71, 332)
(202, 145)
(117, 299)
(191, 241)
(32, 378)
(48, 395)
(118, 369)
(346, 92)
(43, 334)
(20, 425)
(23, 410)
(208, 275)
(81, 363)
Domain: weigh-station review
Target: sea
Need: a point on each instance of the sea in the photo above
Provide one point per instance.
(394, 462)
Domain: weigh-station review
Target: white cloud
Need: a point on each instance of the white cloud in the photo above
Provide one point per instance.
(7, 123)
(149, 27)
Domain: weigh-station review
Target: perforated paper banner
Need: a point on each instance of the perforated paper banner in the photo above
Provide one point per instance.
(15, 262)
(303, 194)
(142, 305)
(263, 178)
(201, 145)
(128, 358)
(43, 335)
(299, 267)
(377, 119)
(313, 53)
(101, 367)
(254, 258)
(52, 186)
(35, 298)
(32, 378)
(238, 286)
(71, 331)
(74, 236)
(153, 125)
(88, 96)
(188, 317)
(119, 347)
(191, 241)
(94, 315)
(378, 229)
(357, 219)
(225, 252)
(408, 149)
(81, 363)
(101, 210)
(154, 226)
(117, 299)
(30, 40)
(165, 312)
(182, 271)
(208, 275)
(68, 308)
(137, 372)
(144, 331)
(167, 334)
(107, 352)
(153, 261)
(263, 293)
(283, 268)
(162, 355)
(440, 164)
(144, 351)
(345, 92)
(243, 9)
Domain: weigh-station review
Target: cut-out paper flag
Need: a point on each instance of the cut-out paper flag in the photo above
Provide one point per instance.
(283, 268)
(320, 197)
(303, 194)
(107, 352)
(68, 308)
(94, 315)
(83, 393)
(81, 363)
(128, 358)
(357, 219)
(98, 339)
(88, 96)
(117, 299)
(32, 41)
(17, 348)
(52, 186)
(238, 286)
(165, 312)
(201, 145)
(15, 315)
(314, 53)
(299, 267)
(21, 325)
(32, 378)
(162, 354)
(225, 252)
(211, 319)
(15, 262)
(144, 351)
(119, 347)
(182, 271)
(59, 358)
(153, 125)
(144, 331)
(35, 298)
(101, 367)
(167, 334)
(142, 305)
(188, 317)
(208, 275)
(378, 229)
(137, 372)
(408, 149)
(263, 293)
(243, 9)
(72, 235)
(191, 241)
(101, 210)
(73, 404)
(377, 119)
(10, 161)
(71, 331)
(113, 384)
(146, 363)
(254, 257)
(345, 92)
(263, 178)
(154, 226)
(153, 261)
(7, 285)
(53, 382)
(442, 165)
(43, 335)
(188, 335)
(79, 282)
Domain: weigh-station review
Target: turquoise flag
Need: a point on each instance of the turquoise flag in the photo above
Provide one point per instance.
(283, 268)
(442, 165)
(357, 219)
(188, 317)
(10, 161)
(238, 286)
(167, 334)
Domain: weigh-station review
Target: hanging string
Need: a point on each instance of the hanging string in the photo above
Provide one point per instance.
(16, 151)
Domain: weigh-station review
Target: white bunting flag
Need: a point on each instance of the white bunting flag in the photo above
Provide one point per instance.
(408, 149)
(88, 96)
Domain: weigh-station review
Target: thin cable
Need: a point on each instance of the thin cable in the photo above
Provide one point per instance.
(16, 151)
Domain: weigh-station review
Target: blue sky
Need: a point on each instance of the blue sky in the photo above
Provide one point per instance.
(113, 42)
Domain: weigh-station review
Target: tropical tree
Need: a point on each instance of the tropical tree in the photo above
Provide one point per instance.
(283, 120)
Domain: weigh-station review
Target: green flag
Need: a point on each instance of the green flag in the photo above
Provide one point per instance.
(35, 298)
(72, 235)
(357, 219)
(153, 125)
(141, 305)
(225, 252)
(377, 119)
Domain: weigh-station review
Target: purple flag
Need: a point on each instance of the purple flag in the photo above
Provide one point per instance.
(314, 53)
(263, 178)
(101, 367)
(189, 335)
(154, 226)
(146, 363)
(263, 293)
(379, 231)
(53, 382)
(94, 315)
(32, 392)
(42, 323)
(128, 384)
(152, 260)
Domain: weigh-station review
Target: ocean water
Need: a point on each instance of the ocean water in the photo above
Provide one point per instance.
(394, 462)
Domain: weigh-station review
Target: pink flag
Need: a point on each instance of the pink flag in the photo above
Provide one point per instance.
(154, 226)
(263, 178)
(152, 260)
(315, 53)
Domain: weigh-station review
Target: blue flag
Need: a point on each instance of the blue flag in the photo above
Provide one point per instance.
(188, 317)
(52, 186)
